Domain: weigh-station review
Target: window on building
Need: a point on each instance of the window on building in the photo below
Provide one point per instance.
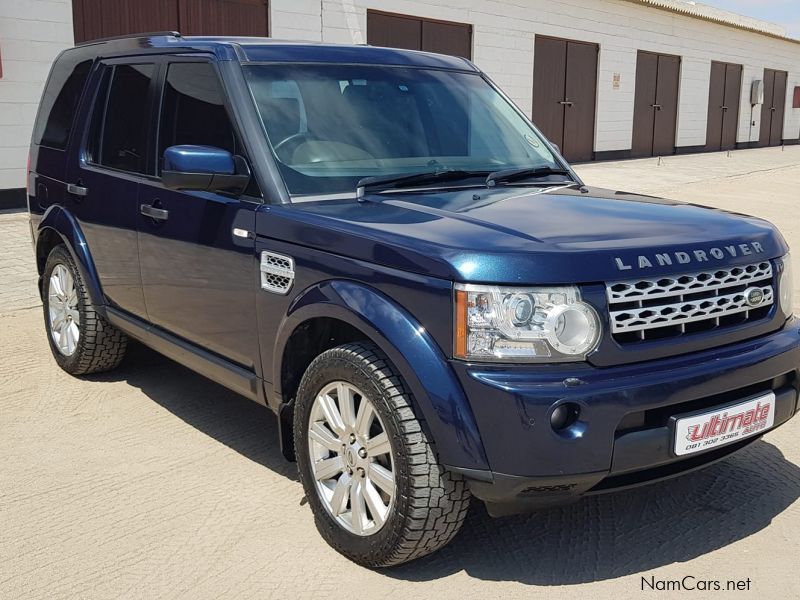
(60, 102)
(119, 139)
(415, 33)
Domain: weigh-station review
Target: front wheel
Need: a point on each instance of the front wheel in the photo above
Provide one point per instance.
(378, 494)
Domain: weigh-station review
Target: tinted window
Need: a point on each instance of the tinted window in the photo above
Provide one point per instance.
(60, 101)
(193, 110)
(123, 135)
(331, 125)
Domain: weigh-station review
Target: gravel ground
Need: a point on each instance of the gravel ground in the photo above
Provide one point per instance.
(152, 482)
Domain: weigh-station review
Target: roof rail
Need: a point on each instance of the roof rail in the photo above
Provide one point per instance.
(133, 36)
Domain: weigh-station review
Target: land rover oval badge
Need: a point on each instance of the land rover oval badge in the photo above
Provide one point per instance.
(753, 296)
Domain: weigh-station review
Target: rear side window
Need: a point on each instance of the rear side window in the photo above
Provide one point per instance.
(118, 137)
(194, 111)
(60, 102)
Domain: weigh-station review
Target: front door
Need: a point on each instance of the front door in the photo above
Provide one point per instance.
(106, 175)
(199, 277)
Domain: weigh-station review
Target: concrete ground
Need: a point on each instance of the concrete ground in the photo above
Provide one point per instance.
(152, 482)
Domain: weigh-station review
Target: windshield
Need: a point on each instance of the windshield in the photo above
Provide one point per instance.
(332, 125)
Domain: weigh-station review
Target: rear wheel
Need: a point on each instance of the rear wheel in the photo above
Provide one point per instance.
(369, 471)
(82, 341)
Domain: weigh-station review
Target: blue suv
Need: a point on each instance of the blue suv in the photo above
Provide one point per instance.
(381, 248)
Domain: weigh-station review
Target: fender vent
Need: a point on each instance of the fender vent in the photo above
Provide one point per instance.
(277, 273)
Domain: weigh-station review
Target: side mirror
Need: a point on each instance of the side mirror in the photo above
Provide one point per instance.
(205, 169)
(554, 145)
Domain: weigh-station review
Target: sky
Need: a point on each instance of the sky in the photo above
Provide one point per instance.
(783, 12)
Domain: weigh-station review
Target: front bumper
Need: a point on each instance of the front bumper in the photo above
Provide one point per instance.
(623, 436)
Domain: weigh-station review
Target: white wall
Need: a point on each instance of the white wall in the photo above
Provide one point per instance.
(503, 46)
(32, 33)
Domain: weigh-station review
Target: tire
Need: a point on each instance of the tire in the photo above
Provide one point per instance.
(429, 503)
(99, 346)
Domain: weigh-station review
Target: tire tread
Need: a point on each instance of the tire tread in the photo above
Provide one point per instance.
(102, 346)
(438, 500)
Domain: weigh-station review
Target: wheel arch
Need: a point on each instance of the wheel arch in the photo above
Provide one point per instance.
(58, 226)
(352, 311)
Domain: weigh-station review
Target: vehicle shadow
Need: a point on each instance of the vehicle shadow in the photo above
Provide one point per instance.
(614, 535)
(244, 426)
(600, 537)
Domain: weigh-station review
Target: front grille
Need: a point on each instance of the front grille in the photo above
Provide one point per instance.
(647, 309)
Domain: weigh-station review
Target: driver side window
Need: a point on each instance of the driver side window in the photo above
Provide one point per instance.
(193, 110)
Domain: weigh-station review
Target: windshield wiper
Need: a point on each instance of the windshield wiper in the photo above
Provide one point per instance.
(400, 181)
(509, 175)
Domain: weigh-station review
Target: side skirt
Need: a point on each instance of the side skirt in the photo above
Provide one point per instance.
(201, 361)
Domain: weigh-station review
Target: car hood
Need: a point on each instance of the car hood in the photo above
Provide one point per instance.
(527, 235)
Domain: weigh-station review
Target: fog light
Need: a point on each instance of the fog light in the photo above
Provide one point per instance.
(564, 415)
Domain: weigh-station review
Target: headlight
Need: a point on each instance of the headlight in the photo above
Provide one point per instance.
(786, 286)
(523, 324)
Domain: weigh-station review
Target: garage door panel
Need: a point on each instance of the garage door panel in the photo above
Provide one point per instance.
(447, 38)
(766, 107)
(716, 100)
(666, 114)
(549, 87)
(224, 17)
(95, 19)
(779, 103)
(730, 114)
(393, 31)
(581, 90)
(644, 99)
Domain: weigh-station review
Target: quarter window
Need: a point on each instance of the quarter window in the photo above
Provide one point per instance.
(60, 101)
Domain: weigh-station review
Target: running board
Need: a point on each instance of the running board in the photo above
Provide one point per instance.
(201, 361)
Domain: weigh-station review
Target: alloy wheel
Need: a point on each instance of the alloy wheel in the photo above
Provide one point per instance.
(62, 302)
(351, 459)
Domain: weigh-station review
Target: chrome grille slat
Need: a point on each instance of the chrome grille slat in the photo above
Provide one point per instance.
(640, 319)
(671, 305)
(689, 283)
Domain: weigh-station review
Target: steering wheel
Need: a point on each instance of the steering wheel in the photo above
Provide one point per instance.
(285, 148)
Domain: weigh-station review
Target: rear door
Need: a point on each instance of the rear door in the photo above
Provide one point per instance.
(199, 277)
(105, 176)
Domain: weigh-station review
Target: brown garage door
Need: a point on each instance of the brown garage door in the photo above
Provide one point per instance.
(95, 19)
(772, 111)
(724, 92)
(564, 94)
(414, 33)
(655, 109)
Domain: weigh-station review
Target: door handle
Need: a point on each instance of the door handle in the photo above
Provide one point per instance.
(565, 103)
(77, 190)
(159, 214)
(656, 106)
(724, 107)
